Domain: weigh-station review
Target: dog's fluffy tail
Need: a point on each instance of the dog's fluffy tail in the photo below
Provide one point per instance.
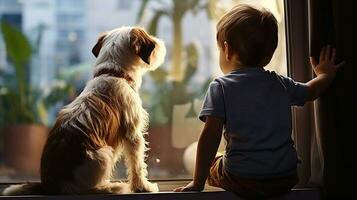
(23, 189)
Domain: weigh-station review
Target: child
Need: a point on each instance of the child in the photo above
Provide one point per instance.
(252, 107)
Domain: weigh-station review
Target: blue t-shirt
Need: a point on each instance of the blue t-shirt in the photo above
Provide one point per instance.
(255, 106)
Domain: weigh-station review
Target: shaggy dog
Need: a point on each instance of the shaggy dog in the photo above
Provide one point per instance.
(106, 121)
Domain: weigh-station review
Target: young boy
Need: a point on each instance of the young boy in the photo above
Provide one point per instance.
(252, 107)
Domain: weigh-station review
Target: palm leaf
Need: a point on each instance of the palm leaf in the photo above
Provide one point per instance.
(143, 6)
(18, 47)
(19, 51)
(193, 5)
(42, 113)
(159, 76)
(154, 22)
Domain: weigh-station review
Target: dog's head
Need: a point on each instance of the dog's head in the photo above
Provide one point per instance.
(130, 48)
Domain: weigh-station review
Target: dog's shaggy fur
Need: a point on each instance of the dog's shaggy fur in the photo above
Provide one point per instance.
(106, 121)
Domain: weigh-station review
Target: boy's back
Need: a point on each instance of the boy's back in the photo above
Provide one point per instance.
(255, 105)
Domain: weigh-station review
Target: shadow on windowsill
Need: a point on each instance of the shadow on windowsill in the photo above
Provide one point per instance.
(166, 187)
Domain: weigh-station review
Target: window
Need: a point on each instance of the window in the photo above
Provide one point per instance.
(70, 6)
(64, 45)
(10, 5)
(124, 4)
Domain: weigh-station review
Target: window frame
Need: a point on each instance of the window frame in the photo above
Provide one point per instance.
(297, 47)
(296, 31)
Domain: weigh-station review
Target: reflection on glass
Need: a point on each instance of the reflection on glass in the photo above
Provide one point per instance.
(50, 62)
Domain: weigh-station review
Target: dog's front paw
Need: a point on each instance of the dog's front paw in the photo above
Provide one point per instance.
(145, 187)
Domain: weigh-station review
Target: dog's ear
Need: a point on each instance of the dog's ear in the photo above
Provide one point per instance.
(98, 45)
(142, 44)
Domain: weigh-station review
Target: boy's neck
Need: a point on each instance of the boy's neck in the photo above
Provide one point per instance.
(236, 67)
(233, 67)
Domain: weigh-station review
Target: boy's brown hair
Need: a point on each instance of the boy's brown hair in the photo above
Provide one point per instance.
(250, 33)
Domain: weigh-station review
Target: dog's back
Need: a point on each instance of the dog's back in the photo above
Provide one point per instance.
(86, 125)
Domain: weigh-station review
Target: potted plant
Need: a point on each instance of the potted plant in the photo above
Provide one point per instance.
(162, 100)
(174, 86)
(23, 108)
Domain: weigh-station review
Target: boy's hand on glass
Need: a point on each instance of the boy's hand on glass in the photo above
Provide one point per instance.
(326, 64)
(189, 187)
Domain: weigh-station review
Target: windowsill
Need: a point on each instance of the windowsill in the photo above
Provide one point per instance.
(169, 185)
(166, 187)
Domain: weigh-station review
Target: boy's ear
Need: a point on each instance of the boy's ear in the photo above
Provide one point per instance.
(98, 45)
(229, 54)
(227, 51)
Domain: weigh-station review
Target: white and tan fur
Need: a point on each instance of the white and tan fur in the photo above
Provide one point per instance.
(104, 123)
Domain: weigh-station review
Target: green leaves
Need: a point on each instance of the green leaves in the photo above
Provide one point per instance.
(154, 22)
(170, 92)
(143, 6)
(18, 47)
(19, 102)
(12, 109)
(159, 75)
(19, 51)
(192, 61)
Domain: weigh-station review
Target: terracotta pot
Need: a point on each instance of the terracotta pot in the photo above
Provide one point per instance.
(23, 145)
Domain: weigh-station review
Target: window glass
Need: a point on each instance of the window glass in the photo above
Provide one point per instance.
(58, 36)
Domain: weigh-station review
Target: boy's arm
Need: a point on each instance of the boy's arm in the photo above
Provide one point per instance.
(325, 71)
(206, 151)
